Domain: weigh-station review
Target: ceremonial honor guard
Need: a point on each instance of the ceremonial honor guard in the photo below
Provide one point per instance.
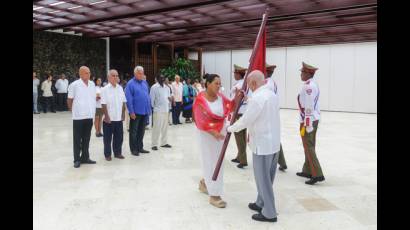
(240, 137)
(269, 71)
(308, 101)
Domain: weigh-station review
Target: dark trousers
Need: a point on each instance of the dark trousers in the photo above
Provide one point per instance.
(311, 165)
(81, 138)
(176, 112)
(113, 133)
(137, 131)
(62, 101)
(48, 104)
(240, 138)
(282, 161)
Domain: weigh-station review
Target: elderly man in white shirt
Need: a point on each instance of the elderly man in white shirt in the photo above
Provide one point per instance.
(62, 88)
(160, 98)
(261, 118)
(177, 89)
(81, 101)
(113, 103)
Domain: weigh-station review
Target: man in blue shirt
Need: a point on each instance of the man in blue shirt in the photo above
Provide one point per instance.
(139, 108)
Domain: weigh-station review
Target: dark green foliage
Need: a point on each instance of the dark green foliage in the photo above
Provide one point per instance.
(183, 67)
(60, 53)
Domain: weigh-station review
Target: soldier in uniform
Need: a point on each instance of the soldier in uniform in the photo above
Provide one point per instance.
(308, 101)
(240, 137)
(269, 71)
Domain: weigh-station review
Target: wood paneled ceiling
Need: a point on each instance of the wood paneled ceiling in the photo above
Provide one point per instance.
(213, 25)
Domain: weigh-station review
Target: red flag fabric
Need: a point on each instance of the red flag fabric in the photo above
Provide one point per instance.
(259, 62)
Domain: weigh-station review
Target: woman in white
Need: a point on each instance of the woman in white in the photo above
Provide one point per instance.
(210, 110)
(98, 110)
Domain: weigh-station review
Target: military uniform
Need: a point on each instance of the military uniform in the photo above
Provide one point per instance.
(240, 137)
(308, 102)
(269, 72)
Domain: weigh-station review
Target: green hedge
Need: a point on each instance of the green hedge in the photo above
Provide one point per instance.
(57, 53)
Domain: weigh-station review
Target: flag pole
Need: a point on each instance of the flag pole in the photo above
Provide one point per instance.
(239, 97)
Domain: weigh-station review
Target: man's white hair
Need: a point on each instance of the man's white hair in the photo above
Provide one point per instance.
(256, 76)
(138, 68)
(112, 71)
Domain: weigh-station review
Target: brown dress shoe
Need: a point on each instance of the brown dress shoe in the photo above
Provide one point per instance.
(108, 158)
(119, 156)
(217, 203)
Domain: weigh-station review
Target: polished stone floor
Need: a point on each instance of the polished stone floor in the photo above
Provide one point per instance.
(159, 190)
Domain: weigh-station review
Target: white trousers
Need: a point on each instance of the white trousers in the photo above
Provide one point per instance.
(127, 119)
(160, 128)
(210, 150)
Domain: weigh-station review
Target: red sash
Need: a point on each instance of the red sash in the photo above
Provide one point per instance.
(205, 120)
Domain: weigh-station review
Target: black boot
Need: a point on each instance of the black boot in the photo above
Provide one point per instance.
(314, 180)
(260, 217)
(302, 174)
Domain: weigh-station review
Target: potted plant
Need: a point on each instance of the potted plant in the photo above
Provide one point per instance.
(183, 67)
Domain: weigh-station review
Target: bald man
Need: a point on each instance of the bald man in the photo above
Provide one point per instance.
(261, 118)
(82, 101)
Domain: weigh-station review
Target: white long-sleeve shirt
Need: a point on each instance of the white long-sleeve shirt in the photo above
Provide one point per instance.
(272, 85)
(238, 86)
(98, 92)
(160, 98)
(62, 86)
(262, 120)
(46, 87)
(177, 91)
(308, 100)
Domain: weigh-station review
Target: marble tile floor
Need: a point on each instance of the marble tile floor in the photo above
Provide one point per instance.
(159, 190)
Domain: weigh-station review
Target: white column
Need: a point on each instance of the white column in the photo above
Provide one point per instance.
(107, 54)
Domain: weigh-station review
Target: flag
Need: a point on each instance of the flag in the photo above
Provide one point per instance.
(259, 57)
(256, 62)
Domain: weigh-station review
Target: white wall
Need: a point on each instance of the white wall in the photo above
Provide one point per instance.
(347, 74)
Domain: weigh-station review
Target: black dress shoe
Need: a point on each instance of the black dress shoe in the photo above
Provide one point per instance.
(89, 161)
(135, 153)
(166, 146)
(154, 148)
(314, 180)
(143, 151)
(302, 174)
(240, 165)
(235, 160)
(260, 217)
(254, 207)
(283, 168)
(77, 164)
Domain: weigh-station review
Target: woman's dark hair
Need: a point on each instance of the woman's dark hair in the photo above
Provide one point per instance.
(96, 79)
(209, 78)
